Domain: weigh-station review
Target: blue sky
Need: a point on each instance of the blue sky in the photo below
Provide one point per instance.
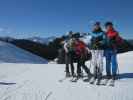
(26, 18)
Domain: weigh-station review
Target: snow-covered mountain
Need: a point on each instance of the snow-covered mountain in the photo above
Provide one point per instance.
(41, 82)
(6, 39)
(42, 40)
(86, 38)
(12, 54)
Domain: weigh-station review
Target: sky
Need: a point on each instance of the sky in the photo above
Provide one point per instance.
(27, 18)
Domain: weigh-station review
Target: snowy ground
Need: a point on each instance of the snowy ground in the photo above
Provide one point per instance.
(41, 82)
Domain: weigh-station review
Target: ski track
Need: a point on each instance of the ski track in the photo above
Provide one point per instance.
(41, 82)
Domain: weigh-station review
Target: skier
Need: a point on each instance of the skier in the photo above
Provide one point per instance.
(97, 46)
(81, 53)
(113, 39)
(69, 55)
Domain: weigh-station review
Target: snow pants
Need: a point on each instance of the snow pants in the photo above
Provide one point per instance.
(97, 62)
(81, 64)
(111, 62)
(69, 60)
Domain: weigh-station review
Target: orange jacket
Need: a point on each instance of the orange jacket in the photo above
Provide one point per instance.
(80, 47)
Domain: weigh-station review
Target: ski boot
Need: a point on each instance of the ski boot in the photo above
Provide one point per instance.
(68, 74)
(99, 78)
(108, 76)
(73, 75)
(115, 77)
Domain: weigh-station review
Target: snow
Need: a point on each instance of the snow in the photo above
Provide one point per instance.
(12, 54)
(42, 40)
(41, 82)
(87, 39)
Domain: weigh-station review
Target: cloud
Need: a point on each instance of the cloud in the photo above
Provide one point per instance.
(2, 29)
(5, 30)
(91, 21)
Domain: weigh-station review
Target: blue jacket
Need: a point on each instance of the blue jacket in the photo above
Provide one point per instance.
(98, 40)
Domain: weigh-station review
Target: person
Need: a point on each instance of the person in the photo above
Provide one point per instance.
(113, 39)
(81, 53)
(69, 55)
(97, 50)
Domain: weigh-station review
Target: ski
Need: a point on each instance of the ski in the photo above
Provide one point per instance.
(63, 79)
(87, 79)
(104, 82)
(74, 79)
(92, 80)
(4, 83)
(112, 83)
(98, 82)
(66, 77)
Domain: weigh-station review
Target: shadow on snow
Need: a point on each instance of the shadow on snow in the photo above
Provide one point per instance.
(125, 75)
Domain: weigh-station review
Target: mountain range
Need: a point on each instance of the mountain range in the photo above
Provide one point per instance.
(50, 47)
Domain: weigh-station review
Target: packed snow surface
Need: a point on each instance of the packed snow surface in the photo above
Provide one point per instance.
(41, 82)
(12, 54)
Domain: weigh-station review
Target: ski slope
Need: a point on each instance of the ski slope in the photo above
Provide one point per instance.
(12, 54)
(41, 82)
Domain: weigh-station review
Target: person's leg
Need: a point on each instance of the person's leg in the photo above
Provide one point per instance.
(67, 65)
(94, 62)
(72, 68)
(99, 66)
(108, 62)
(86, 69)
(72, 64)
(79, 68)
(114, 63)
(100, 63)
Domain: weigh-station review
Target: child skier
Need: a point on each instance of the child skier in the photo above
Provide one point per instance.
(69, 55)
(97, 46)
(81, 53)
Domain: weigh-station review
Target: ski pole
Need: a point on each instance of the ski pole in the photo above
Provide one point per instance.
(118, 71)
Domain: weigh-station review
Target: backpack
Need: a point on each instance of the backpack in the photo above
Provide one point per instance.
(81, 51)
(115, 42)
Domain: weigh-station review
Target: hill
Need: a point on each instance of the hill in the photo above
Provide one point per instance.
(12, 54)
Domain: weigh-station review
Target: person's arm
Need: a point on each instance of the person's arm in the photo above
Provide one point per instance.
(88, 49)
(104, 38)
(96, 35)
(65, 47)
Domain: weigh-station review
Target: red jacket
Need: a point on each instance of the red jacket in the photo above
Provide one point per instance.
(112, 34)
(80, 47)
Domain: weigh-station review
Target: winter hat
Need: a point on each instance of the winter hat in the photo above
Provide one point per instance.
(99, 29)
(108, 24)
(97, 23)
